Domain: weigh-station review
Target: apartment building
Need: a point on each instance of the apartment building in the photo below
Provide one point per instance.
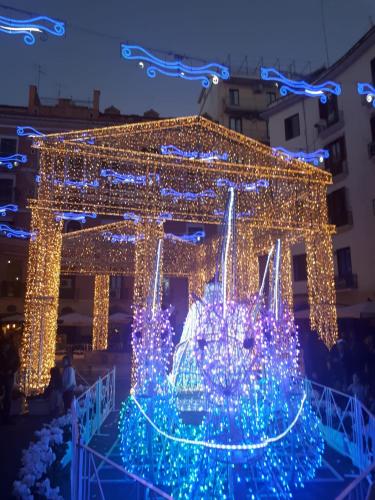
(345, 127)
(238, 104)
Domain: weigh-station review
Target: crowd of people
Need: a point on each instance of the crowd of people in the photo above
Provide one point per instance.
(348, 367)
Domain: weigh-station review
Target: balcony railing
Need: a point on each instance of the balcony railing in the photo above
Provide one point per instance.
(346, 281)
(326, 127)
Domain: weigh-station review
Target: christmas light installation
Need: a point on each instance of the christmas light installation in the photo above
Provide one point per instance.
(79, 217)
(300, 87)
(367, 90)
(243, 186)
(253, 433)
(10, 232)
(26, 131)
(10, 207)
(120, 238)
(207, 73)
(132, 216)
(135, 149)
(85, 183)
(12, 161)
(117, 178)
(198, 155)
(29, 27)
(315, 157)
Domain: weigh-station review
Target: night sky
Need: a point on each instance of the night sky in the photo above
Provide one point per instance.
(89, 56)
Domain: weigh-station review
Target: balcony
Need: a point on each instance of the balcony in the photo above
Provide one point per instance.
(325, 128)
(346, 281)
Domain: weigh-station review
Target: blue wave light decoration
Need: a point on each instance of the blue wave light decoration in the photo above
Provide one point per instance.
(177, 69)
(315, 157)
(243, 186)
(300, 87)
(117, 178)
(121, 238)
(26, 131)
(132, 216)
(188, 196)
(187, 238)
(80, 217)
(367, 90)
(85, 183)
(10, 161)
(10, 232)
(8, 208)
(163, 216)
(170, 149)
(29, 27)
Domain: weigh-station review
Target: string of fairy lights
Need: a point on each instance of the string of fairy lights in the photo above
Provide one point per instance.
(274, 196)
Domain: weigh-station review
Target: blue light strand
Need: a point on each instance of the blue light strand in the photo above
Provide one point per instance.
(170, 149)
(132, 216)
(187, 238)
(300, 87)
(367, 90)
(121, 238)
(8, 208)
(27, 27)
(163, 216)
(10, 232)
(187, 195)
(239, 215)
(177, 69)
(10, 161)
(79, 217)
(315, 157)
(140, 180)
(85, 183)
(26, 131)
(243, 186)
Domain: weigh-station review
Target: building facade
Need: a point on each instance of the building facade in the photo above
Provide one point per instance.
(238, 104)
(345, 127)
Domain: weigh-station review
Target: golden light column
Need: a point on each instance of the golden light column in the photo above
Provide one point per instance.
(100, 312)
(321, 286)
(286, 274)
(41, 301)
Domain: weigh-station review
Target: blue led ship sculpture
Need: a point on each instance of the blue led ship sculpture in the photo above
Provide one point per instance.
(232, 419)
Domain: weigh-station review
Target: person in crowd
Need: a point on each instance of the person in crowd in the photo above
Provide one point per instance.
(357, 389)
(68, 382)
(9, 364)
(54, 392)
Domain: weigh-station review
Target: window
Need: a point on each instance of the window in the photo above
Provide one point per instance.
(234, 97)
(8, 146)
(299, 267)
(329, 111)
(115, 287)
(372, 125)
(235, 124)
(292, 127)
(338, 213)
(372, 63)
(344, 262)
(6, 190)
(337, 156)
(271, 97)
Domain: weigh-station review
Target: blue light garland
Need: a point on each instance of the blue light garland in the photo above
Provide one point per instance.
(132, 216)
(10, 232)
(314, 157)
(188, 196)
(28, 27)
(163, 216)
(10, 161)
(243, 186)
(80, 217)
(197, 155)
(78, 184)
(26, 131)
(367, 90)
(300, 87)
(207, 73)
(121, 238)
(187, 238)
(140, 180)
(8, 208)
